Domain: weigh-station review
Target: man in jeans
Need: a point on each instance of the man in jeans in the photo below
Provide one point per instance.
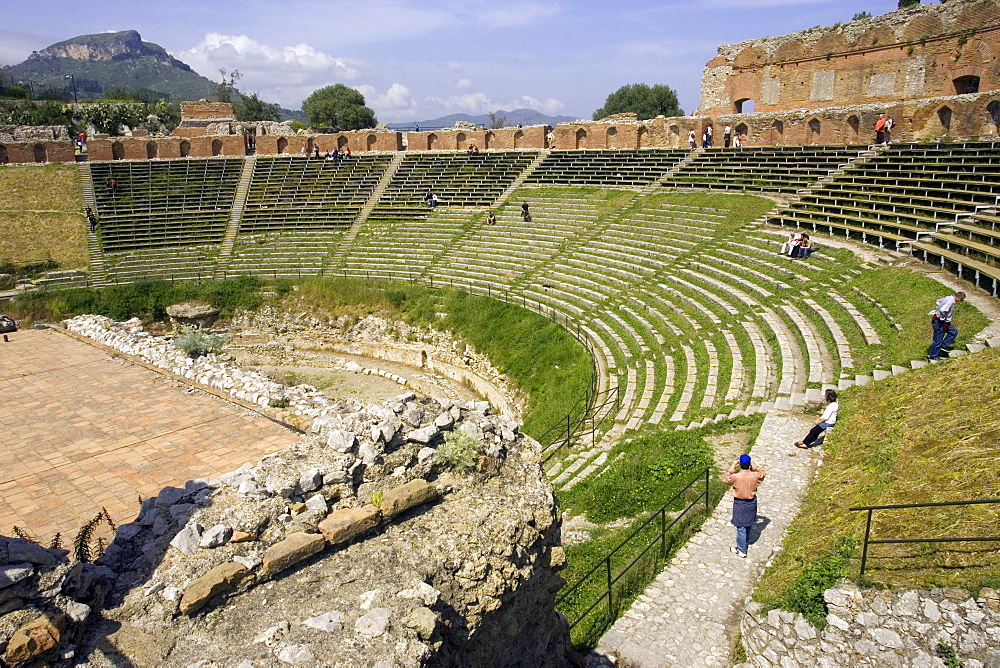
(944, 332)
(744, 483)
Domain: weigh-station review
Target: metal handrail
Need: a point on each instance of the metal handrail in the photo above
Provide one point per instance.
(605, 563)
(886, 541)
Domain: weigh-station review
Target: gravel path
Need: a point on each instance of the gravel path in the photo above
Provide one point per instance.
(688, 615)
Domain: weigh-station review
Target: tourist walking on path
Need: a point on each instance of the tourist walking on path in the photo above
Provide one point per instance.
(744, 483)
(826, 420)
(727, 136)
(944, 332)
(91, 218)
(691, 140)
(525, 214)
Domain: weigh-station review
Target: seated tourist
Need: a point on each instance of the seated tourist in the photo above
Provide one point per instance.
(805, 247)
(791, 243)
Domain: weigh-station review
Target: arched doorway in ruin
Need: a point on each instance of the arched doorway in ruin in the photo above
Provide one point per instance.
(581, 138)
(432, 141)
(745, 105)
(742, 131)
(372, 142)
(777, 133)
(151, 150)
(117, 151)
(944, 115)
(815, 127)
(4, 159)
(993, 110)
(216, 147)
(185, 149)
(641, 137)
(460, 140)
(966, 84)
(282, 144)
(487, 139)
(609, 137)
(40, 153)
(341, 143)
(518, 136)
(852, 130)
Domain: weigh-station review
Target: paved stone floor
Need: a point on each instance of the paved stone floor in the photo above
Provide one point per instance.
(689, 615)
(82, 429)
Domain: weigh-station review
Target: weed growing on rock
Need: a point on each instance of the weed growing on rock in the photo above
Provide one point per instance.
(459, 451)
(196, 342)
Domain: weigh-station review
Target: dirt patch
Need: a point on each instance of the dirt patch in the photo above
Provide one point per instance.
(726, 448)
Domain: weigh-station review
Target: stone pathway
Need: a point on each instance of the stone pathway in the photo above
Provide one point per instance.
(84, 430)
(687, 615)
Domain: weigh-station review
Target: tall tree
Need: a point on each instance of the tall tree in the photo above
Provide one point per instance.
(908, 3)
(646, 101)
(338, 107)
(252, 108)
(228, 85)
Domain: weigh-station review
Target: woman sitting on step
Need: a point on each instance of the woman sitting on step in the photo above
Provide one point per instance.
(827, 420)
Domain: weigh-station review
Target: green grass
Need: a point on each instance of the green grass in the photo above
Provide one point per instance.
(925, 436)
(909, 296)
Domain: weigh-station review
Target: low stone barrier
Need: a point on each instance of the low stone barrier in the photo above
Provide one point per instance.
(879, 628)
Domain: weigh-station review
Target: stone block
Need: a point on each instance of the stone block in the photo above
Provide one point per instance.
(220, 579)
(34, 638)
(294, 548)
(400, 499)
(343, 525)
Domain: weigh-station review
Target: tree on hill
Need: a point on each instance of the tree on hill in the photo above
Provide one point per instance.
(646, 101)
(338, 107)
(252, 108)
(908, 3)
(228, 85)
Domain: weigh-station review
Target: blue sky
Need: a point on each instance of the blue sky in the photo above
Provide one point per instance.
(417, 60)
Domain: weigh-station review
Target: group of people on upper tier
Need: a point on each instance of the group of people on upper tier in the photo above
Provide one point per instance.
(729, 138)
(883, 129)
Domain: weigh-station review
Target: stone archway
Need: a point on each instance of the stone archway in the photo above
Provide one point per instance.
(432, 141)
(581, 137)
(815, 130)
(993, 110)
(641, 135)
(39, 152)
(341, 142)
(968, 83)
(487, 140)
(372, 142)
(778, 133)
(4, 158)
(944, 115)
(742, 130)
(117, 151)
(460, 140)
(518, 136)
(216, 147)
(151, 150)
(852, 131)
(185, 149)
(282, 144)
(745, 105)
(609, 137)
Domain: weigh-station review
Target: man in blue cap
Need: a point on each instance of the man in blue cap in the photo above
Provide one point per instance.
(744, 478)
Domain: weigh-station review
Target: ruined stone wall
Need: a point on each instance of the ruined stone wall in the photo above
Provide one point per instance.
(878, 628)
(149, 148)
(626, 131)
(37, 151)
(204, 111)
(360, 141)
(459, 139)
(921, 52)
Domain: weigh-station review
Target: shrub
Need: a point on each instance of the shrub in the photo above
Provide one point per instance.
(459, 451)
(197, 342)
(806, 593)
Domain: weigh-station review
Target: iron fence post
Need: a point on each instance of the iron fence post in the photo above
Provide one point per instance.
(707, 508)
(611, 612)
(864, 549)
(663, 532)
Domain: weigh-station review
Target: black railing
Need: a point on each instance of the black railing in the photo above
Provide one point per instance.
(887, 541)
(585, 417)
(611, 577)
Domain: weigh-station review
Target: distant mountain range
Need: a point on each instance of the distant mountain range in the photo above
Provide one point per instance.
(523, 116)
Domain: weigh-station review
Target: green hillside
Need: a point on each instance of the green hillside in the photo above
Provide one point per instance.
(111, 61)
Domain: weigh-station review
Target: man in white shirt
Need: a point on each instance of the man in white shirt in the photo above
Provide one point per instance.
(944, 332)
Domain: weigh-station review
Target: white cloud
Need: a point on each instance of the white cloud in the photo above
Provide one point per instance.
(398, 103)
(511, 15)
(282, 73)
(463, 83)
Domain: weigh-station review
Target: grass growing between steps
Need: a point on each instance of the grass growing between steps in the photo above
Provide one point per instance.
(41, 216)
(909, 296)
(925, 436)
(643, 475)
(606, 200)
